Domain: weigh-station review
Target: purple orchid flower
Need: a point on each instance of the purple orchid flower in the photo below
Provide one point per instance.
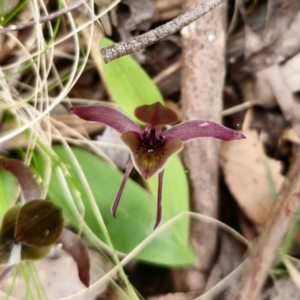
(151, 147)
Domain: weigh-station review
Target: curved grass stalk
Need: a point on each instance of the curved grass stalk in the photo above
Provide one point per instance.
(292, 269)
(223, 284)
(74, 75)
(59, 40)
(81, 140)
(28, 117)
(39, 287)
(8, 296)
(98, 216)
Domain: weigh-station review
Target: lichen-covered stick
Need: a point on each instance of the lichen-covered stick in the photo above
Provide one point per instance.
(144, 40)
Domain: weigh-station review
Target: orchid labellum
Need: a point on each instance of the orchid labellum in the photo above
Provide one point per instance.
(152, 146)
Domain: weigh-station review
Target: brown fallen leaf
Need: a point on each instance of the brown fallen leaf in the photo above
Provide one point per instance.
(291, 73)
(246, 170)
(272, 78)
(284, 288)
(140, 11)
(292, 134)
(276, 42)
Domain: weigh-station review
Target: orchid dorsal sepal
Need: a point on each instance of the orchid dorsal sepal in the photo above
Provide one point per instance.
(156, 114)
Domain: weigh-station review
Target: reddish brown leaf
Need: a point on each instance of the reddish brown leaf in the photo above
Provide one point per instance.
(34, 253)
(30, 186)
(39, 224)
(7, 233)
(74, 245)
(8, 224)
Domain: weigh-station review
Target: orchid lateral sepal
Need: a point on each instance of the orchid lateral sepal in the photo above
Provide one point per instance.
(120, 191)
(159, 198)
(194, 129)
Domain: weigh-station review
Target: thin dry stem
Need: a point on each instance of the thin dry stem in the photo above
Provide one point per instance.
(43, 19)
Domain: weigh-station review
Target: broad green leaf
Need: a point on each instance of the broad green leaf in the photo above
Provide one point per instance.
(136, 212)
(8, 187)
(126, 80)
(175, 195)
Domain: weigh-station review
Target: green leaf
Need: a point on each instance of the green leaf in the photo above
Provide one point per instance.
(126, 80)
(175, 196)
(136, 212)
(8, 187)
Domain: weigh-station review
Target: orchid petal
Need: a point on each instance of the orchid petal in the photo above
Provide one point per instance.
(149, 162)
(202, 128)
(107, 115)
(159, 198)
(118, 197)
(156, 114)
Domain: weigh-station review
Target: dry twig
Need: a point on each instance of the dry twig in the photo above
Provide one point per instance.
(144, 40)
